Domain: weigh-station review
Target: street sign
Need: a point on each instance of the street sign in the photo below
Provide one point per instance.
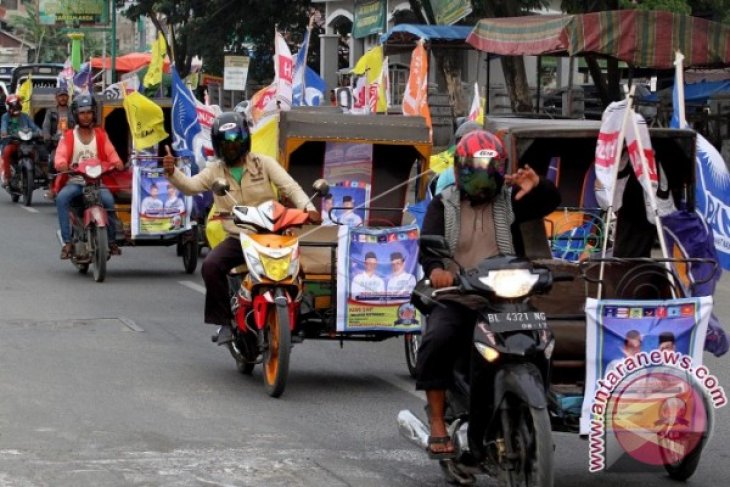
(235, 72)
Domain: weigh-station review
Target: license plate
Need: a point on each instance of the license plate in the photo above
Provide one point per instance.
(516, 321)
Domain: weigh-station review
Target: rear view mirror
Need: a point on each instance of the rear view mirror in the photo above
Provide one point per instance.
(321, 187)
(435, 246)
(220, 187)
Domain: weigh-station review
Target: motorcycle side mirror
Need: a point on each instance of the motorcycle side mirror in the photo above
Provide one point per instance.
(435, 246)
(220, 187)
(321, 187)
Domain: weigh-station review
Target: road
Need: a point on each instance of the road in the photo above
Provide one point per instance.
(118, 384)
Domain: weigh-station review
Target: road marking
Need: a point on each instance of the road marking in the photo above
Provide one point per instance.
(403, 385)
(130, 323)
(194, 286)
(29, 209)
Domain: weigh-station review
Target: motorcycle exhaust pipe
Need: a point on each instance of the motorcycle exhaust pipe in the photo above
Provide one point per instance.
(413, 429)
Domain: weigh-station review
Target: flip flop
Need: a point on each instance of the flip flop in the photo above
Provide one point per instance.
(440, 440)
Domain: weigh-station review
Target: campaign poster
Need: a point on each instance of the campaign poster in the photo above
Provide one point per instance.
(349, 200)
(348, 162)
(619, 329)
(158, 208)
(377, 271)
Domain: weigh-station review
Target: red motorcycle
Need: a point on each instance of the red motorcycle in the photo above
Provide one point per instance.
(89, 219)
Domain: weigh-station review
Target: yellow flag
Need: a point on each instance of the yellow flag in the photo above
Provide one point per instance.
(154, 71)
(25, 92)
(265, 139)
(146, 120)
(371, 63)
(442, 161)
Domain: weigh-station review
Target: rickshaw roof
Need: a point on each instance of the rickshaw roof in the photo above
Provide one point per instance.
(299, 126)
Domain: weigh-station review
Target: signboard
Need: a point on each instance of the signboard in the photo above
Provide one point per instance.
(235, 72)
(71, 12)
(449, 12)
(369, 18)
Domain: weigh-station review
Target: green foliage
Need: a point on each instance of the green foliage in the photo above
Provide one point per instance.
(676, 6)
(50, 42)
(209, 28)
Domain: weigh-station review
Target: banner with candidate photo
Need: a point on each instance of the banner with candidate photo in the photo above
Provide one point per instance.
(158, 208)
(349, 198)
(620, 330)
(377, 271)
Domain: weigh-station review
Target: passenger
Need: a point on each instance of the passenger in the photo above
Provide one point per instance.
(250, 177)
(58, 119)
(477, 216)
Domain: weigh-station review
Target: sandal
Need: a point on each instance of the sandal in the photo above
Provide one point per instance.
(114, 249)
(67, 251)
(440, 455)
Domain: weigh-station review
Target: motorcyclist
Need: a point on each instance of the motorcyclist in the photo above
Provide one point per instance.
(85, 141)
(13, 121)
(477, 216)
(57, 120)
(250, 177)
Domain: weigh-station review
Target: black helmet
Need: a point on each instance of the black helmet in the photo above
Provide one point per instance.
(83, 103)
(230, 128)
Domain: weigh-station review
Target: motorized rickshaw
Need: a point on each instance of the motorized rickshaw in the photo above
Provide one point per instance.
(570, 146)
(114, 121)
(400, 148)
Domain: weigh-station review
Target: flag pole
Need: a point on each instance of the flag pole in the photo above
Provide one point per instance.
(614, 177)
(679, 83)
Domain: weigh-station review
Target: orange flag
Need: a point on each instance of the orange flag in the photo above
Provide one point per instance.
(415, 99)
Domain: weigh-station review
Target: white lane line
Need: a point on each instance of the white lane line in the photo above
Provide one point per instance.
(194, 286)
(29, 209)
(403, 385)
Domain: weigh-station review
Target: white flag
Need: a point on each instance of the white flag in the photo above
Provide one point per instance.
(284, 67)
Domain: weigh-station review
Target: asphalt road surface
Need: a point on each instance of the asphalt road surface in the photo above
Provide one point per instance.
(118, 384)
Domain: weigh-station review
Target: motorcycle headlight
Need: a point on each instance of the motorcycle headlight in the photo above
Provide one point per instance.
(489, 354)
(276, 269)
(93, 171)
(510, 283)
(254, 265)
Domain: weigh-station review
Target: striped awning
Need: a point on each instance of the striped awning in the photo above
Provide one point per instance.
(641, 38)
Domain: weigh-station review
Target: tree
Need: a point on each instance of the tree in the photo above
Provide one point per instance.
(208, 28)
(50, 43)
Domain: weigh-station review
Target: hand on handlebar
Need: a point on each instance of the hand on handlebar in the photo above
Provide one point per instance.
(168, 162)
(315, 217)
(441, 278)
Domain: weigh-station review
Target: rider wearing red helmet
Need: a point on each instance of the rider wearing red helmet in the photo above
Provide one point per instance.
(478, 216)
(12, 121)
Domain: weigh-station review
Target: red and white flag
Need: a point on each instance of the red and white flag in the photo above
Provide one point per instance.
(284, 72)
(415, 99)
(263, 104)
(476, 105)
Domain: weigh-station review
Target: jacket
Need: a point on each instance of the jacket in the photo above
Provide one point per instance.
(104, 149)
(261, 175)
(539, 202)
(50, 122)
(24, 122)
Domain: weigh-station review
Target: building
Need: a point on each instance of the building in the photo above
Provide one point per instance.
(13, 50)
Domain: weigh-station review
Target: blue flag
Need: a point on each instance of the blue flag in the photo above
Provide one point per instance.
(314, 88)
(299, 79)
(712, 193)
(83, 80)
(185, 124)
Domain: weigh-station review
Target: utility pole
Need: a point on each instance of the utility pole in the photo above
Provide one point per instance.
(113, 13)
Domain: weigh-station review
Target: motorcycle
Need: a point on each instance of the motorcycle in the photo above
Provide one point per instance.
(89, 220)
(25, 175)
(266, 304)
(497, 408)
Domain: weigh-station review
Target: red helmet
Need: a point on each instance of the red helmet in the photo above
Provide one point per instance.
(479, 165)
(13, 103)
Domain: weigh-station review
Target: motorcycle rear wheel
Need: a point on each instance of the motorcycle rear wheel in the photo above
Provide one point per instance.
(27, 186)
(100, 241)
(277, 351)
(532, 430)
(411, 341)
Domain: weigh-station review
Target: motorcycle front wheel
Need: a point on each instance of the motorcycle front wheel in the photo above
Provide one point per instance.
(412, 341)
(100, 251)
(26, 186)
(278, 347)
(533, 443)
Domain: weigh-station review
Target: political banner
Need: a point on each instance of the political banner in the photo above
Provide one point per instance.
(350, 198)
(370, 18)
(377, 271)
(344, 161)
(158, 208)
(449, 12)
(622, 336)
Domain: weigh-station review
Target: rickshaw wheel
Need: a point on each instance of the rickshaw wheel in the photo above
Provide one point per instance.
(685, 468)
(411, 341)
(278, 347)
(190, 255)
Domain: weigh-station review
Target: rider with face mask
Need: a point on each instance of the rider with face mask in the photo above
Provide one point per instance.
(477, 217)
(250, 177)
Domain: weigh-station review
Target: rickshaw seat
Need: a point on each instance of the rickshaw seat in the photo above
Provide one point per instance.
(120, 185)
(316, 261)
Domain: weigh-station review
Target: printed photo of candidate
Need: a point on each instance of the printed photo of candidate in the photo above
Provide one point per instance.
(351, 204)
(383, 272)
